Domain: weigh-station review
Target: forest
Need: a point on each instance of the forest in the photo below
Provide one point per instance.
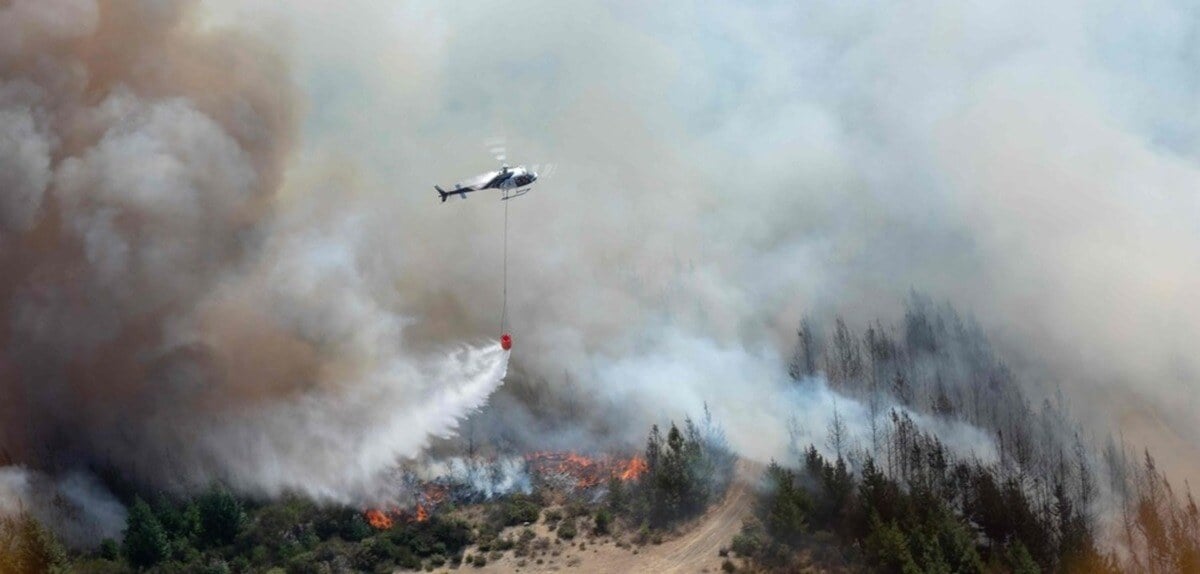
(899, 499)
(882, 494)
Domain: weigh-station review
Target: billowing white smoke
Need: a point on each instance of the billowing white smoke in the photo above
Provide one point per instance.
(166, 311)
(177, 303)
(752, 162)
(339, 446)
(79, 509)
(484, 478)
(765, 414)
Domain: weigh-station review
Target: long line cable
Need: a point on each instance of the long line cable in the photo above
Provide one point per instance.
(504, 305)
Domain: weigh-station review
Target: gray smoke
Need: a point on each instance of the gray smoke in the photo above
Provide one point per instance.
(168, 311)
(79, 509)
(724, 169)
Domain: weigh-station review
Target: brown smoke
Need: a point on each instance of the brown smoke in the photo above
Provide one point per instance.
(146, 156)
(163, 312)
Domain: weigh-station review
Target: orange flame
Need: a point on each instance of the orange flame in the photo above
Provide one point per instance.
(422, 514)
(378, 519)
(435, 494)
(586, 472)
(635, 469)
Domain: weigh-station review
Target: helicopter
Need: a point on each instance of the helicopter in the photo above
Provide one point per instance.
(511, 181)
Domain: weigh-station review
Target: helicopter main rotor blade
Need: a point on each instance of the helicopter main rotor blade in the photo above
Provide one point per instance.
(498, 148)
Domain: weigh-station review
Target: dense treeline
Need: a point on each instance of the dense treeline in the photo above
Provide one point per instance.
(685, 472)
(954, 516)
(27, 546)
(944, 515)
(908, 503)
(216, 532)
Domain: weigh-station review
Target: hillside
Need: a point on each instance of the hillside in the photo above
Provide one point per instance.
(691, 547)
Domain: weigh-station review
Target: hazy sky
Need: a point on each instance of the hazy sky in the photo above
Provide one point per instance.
(733, 166)
(221, 224)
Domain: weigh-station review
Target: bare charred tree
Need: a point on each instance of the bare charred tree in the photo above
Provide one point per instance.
(881, 351)
(942, 405)
(847, 355)
(901, 388)
(1037, 502)
(837, 433)
(804, 357)
(919, 331)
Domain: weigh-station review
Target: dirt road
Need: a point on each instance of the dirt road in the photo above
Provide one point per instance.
(696, 549)
(692, 550)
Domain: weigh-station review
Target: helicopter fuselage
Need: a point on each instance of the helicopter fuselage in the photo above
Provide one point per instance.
(506, 179)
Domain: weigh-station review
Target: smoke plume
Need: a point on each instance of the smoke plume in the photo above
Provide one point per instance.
(211, 271)
(167, 313)
(724, 170)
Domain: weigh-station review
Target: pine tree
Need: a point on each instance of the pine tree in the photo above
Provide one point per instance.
(616, 495)
(145, 540)
(27, 546)
(786, 507)
(673, 483)
(220, 516)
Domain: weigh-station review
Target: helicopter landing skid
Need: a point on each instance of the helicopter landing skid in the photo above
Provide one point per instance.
(514, 194)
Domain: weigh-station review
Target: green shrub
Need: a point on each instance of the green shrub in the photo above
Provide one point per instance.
(746, 544)
(259, 555)
(602, 522)
(642, 536)
(356, 528)
(240, 564)
(504, 544)
(303, 563)
(566, 530)
(408, 560)
(485, 544)
(576, 509)
(92, 566)
(1019, 560)
(887, 547)
(109, 549)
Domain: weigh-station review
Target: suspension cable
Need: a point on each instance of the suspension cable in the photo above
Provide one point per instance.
(504, 305)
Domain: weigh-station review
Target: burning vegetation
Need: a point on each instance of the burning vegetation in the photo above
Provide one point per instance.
(378, 519)
(895, 499)
(564, 472)
(577, 472)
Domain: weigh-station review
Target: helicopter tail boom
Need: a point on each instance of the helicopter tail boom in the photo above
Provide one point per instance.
(461, 192)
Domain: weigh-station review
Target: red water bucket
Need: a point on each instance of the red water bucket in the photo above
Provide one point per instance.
(506, 341)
